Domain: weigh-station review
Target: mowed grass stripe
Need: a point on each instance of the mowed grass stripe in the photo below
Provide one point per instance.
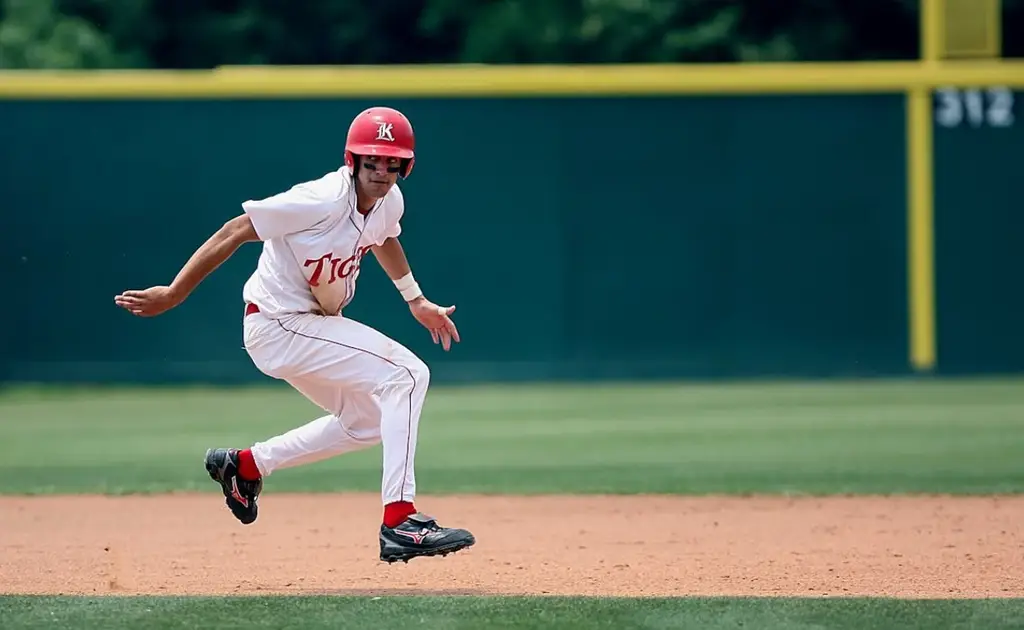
(825, 437)
(473, 613)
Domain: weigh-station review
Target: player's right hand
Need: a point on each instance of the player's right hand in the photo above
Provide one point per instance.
(148, 302)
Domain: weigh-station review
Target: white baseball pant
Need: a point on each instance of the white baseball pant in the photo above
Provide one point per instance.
(372, 388)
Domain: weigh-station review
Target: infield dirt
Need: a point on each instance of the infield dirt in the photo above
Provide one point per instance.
(945, 547)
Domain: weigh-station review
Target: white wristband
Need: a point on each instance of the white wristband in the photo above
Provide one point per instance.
(407, 286)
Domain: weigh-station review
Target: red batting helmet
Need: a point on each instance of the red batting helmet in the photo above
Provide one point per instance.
(381, 131)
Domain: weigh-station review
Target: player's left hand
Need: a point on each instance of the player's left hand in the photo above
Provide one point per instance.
(148, 302)
(437, 320)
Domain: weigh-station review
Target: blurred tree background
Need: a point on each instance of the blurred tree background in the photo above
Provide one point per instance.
(208, 33)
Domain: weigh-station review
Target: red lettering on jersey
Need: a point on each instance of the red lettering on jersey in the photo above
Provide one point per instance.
(339, 268)
(314, 280)
(347, 266)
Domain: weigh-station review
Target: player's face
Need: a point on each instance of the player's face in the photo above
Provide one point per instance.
(378, 174)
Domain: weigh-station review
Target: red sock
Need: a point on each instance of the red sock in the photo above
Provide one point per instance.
(395, 513)
(247, 466)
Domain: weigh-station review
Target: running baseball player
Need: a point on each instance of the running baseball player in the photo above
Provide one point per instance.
(314, 237)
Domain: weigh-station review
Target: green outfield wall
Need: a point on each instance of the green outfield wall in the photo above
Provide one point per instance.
(979, 230)
(580, 237)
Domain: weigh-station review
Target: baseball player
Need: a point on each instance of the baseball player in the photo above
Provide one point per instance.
(314, 237)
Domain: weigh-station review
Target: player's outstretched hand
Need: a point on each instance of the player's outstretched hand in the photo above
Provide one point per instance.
(148, 302)
(437, 320)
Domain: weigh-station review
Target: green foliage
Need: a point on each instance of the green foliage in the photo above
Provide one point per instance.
(616, 31)
(198, 34)
(33, 34)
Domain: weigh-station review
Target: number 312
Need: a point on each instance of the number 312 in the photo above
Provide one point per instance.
(990, 106)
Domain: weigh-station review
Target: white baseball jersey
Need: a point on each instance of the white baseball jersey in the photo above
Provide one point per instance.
(313, 241)
(372, 387)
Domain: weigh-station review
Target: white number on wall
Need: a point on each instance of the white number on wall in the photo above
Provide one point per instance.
(976, 107)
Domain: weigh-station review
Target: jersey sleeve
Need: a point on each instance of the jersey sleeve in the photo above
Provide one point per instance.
(296, 209)
(396, 208)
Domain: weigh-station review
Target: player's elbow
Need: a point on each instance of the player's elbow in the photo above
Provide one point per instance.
(239, 230)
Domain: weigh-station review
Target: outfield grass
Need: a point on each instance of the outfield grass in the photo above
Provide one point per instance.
(893, 437)
(520, 613)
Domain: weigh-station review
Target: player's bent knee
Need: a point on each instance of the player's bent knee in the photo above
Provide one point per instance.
(419, 371)
(364, 435)
(409, 372)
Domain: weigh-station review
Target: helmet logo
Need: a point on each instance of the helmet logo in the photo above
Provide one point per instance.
(384, 132)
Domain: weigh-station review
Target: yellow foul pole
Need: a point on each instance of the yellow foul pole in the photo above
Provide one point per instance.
(920, 206)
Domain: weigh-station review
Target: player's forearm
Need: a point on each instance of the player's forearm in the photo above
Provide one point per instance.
(212, 254)
(392, 258)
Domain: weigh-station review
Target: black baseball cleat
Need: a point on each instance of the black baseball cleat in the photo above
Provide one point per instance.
(420, 535)
(240, 494)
